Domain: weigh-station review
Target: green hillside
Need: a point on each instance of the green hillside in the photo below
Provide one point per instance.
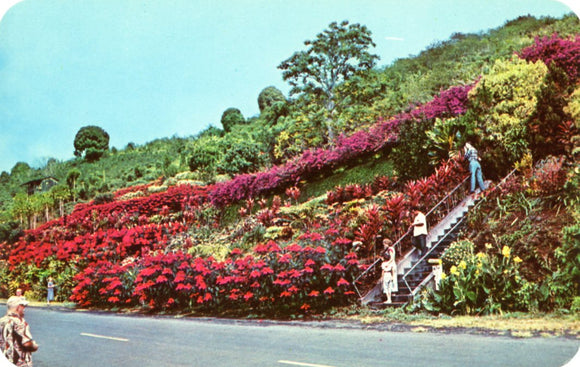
(260, 216)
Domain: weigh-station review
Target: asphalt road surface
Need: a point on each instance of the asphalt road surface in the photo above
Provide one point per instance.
(83, 339)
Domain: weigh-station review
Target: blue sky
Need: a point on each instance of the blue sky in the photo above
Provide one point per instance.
(148, 69)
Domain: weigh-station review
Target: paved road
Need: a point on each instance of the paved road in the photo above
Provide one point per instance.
(82, 339)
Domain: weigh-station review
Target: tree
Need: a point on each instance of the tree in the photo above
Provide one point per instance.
(335, 55)
(71, 180)
(91, 140)
(232, 116)
(60, 193)
(269, 96)
(22, 208)
(20, 169)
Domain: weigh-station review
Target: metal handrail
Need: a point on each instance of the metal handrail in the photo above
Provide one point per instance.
(447, 196)
(411, 291)
(397, 244)
(451, 230)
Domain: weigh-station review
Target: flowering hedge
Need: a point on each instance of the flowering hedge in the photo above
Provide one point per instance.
(310, 274)
(94, 231)
(448, 103)
(563, 53)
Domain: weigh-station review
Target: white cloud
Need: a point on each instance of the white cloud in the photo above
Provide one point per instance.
(394, 39)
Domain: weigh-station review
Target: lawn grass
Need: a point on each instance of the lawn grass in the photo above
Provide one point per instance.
(363, 173)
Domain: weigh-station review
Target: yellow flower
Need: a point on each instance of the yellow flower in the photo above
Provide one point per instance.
(517, 259)
(479, 265)
(443, 276)
(488, 246)
(477, 272)
(453, 270)
(506, 251)
(463, 264)
(480, 255)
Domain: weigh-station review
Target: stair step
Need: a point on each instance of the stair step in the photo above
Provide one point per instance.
(387, 305)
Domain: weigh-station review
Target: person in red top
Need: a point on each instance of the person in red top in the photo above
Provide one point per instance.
(16, 342)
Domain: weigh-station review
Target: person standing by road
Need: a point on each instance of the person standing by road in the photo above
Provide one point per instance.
(16, 341)
(50, 291)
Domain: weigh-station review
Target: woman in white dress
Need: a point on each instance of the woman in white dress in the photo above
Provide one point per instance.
(389, 267)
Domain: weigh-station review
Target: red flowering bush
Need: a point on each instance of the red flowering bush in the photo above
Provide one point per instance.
(308, 275)
(104, 284)
(549, 176)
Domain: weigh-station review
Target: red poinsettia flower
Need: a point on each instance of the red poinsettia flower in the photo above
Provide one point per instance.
(161, 279)
(339, 267)
(294, 248)
(284, 259)
(320, 250)
(183, 287)
(179, 277)
(329, 290)
(342, 281)
(267, 271)
(327, 267)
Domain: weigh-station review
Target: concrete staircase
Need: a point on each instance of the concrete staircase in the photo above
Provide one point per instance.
(415, 272)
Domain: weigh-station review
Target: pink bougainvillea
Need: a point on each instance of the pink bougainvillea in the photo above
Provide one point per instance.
(563, 53)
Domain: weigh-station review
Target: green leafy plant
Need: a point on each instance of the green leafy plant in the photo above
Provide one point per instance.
(486, 283)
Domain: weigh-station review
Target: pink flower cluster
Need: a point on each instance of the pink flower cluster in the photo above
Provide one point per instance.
(450, 102)
(563, 53)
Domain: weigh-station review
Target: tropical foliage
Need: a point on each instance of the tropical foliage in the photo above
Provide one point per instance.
(226, 222)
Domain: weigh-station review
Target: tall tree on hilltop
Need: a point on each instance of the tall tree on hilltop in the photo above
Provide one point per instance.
(232, 116)
(335, 55)
(91, 140)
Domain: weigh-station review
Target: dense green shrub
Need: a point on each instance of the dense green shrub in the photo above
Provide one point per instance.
(410, 156)
(242, 156)
(206, 153)
(268, 97)
(231, 117)
(503, 101)
(456, 252)
(561, 288)
(91, 140)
